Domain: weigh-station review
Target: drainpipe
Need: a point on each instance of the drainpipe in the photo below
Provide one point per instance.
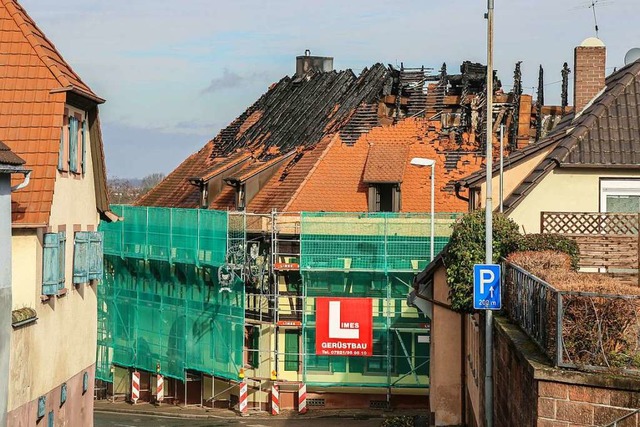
(27, 178)
(204, 191)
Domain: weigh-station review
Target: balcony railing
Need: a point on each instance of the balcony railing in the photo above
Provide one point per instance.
(583, 330)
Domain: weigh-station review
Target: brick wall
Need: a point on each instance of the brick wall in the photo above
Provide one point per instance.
(531, 392)
(589, 74)
(561, 404)
(515, 389)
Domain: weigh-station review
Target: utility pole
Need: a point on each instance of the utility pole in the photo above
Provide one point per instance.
(488, 374)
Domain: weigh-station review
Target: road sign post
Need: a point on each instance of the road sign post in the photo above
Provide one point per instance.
(487, 292)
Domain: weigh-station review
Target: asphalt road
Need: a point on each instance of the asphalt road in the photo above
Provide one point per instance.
(133, 420)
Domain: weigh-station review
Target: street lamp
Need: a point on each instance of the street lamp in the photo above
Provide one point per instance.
(422, 162)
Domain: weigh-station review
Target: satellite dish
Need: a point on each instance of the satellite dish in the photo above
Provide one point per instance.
(632, 56)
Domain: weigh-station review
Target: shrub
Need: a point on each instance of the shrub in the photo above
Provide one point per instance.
(552, 242)
(467, 247)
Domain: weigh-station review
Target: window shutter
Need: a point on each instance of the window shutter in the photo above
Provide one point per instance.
(81, 257)
(62, 241)
(50, 264)
(73, 144)
(95, 255)
(61, 165)
(292, 350)
(85, 133)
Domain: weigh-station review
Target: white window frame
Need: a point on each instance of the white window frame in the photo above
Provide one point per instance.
(617, 187)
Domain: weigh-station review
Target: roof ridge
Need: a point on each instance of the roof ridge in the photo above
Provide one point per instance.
(24, 21)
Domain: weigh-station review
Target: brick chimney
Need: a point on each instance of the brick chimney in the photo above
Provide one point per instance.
(589, 71)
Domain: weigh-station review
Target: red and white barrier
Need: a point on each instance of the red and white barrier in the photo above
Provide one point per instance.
(135, 386)
(275, 400)
(302, 399)
(243, 398)
(160, 388)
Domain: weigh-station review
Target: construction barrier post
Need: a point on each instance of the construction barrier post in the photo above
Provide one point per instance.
(135, 386)
(243, 398)
(275, 400)
(302, 399)
(160, 388)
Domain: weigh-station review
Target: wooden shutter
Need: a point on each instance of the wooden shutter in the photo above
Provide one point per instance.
(62, 161)
(292, 351)
(95, 255)
(85, 133)
(396, 199)
(62, 242)
(73, 144)
(50, 264)
(81, 257)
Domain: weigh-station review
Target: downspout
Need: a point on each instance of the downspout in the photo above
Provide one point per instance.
(27, 177)
(458, 195)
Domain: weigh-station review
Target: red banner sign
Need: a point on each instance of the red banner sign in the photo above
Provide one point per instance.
(344, 326)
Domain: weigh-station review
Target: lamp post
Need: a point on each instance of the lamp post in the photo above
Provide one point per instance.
(422, 162)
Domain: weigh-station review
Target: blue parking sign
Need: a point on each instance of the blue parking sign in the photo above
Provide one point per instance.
(486, 287)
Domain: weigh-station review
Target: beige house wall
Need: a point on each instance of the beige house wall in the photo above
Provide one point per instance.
(445, 394)
(564, 190)
(512, 178)
(61, 344)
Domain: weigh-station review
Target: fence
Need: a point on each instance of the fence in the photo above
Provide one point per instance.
(606, 240)
(575, 329)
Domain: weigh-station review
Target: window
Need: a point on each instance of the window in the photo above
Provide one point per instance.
(73, 142)
(252, 346)
(621, 195)
(87, 256)
(384, 198)
(291, 350)
(53, 262)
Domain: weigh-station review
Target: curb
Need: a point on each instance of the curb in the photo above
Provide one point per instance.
(160, 414)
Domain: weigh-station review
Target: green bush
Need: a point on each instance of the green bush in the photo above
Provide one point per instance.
(467, 248)
(551, 242)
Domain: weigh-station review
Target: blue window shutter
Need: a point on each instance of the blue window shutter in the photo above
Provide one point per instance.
(42, 406)
(73, 144)
(81, 257)
(95, 255)
(51, 418)
(63, 394)
(51, 264)
(85, 133)
(62, 240)
(61, 151)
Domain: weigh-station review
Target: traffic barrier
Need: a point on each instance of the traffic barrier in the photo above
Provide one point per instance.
(160, 388)
(275, 400)
(243, 397)
(135, 386)
(302, 399)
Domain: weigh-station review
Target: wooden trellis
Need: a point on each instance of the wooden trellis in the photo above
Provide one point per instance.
(607, 241)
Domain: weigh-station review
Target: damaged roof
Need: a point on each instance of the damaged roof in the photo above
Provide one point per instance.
(606, 134)
(318, 141)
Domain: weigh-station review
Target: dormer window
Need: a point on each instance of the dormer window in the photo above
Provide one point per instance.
(74, 137)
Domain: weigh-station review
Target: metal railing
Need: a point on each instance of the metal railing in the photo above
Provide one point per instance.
(625, 420)
(582, 330)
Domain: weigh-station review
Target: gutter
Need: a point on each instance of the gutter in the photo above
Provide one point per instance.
(457, 192)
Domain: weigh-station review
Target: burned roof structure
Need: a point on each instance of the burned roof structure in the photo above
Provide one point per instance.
(331, 131)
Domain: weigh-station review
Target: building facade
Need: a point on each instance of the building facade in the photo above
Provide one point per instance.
(50, 119)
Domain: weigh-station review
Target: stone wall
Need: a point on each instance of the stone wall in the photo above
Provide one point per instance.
(529, 391)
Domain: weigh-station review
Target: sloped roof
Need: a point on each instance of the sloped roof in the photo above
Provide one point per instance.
(8, 157)
(34, 80)
(605, 135)
(294, 114)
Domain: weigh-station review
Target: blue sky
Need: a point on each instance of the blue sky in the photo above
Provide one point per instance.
(175, 72)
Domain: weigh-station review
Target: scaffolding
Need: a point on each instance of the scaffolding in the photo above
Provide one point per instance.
(233, 294)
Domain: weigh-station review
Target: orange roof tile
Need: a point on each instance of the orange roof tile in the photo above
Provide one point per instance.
(385, 163)
(32, 107)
